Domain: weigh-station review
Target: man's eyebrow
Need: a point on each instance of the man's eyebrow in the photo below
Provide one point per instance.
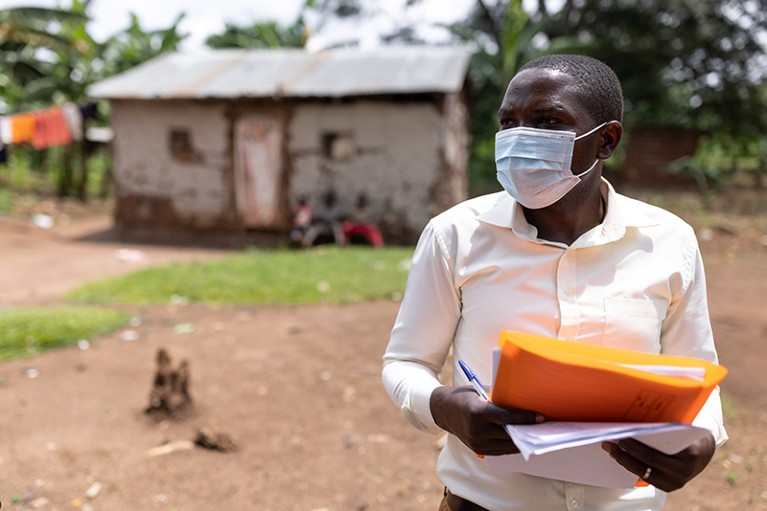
(556, 108)
(551, 109)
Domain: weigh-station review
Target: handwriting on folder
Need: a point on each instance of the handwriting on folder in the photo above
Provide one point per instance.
(595, 394)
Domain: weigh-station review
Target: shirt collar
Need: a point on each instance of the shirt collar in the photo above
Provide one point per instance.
(621, 214)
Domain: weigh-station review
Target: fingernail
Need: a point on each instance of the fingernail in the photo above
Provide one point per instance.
(608, 448)
(539, 418)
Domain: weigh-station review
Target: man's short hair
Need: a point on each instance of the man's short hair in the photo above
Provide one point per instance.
(599, 88)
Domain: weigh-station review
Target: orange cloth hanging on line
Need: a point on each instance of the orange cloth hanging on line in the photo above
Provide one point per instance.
(51, 128)
(40, 137)
(22, 128)
(63, 132)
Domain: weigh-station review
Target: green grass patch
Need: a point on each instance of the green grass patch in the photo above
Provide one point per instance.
(6, 201)
(729, 410)
(321, 275)
(29, 331)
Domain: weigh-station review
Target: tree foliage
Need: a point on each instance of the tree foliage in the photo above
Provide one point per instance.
(688, 63)
(259, 35)
(135, 45)
(267, 34)
(24, 31)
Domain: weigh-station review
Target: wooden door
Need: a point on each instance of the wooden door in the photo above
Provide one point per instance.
(258, 170)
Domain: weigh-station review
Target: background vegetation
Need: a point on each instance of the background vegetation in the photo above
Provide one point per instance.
(689, 64)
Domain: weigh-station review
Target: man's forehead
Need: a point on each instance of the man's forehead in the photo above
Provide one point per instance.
(541, 80)
(555, 88)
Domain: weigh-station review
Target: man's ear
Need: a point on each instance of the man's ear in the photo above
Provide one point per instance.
(611, 136)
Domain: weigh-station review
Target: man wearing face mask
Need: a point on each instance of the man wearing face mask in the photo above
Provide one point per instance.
(558, 253)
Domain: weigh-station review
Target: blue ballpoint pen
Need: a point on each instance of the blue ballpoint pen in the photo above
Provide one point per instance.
(473, 379)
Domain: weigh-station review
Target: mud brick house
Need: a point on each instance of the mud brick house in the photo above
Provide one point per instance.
(228, 139)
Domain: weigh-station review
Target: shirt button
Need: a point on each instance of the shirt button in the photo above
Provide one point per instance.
(574, 504)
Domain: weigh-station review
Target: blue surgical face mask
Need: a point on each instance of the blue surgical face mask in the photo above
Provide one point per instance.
(534, 164)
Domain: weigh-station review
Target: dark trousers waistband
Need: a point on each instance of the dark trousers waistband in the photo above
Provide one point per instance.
(456, 503)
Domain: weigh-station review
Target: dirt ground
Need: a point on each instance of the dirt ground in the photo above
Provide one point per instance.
(297, 387)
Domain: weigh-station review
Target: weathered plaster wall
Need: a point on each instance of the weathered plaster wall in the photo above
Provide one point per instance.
(151, 182)
(396, 157)
(453, 184)
(408, 157)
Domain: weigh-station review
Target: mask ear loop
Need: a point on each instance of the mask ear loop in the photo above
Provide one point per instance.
(595, 161)
(590, 132)
(588, 169)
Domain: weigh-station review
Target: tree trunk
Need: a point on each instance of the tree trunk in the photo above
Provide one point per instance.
(82, 178)
(65, 173)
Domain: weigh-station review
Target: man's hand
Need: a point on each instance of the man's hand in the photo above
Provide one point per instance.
(476, 422)
(668, 472)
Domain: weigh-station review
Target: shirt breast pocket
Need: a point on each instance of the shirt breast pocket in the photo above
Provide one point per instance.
(634, 323)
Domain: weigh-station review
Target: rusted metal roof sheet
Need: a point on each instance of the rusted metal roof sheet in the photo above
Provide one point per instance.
(291, 73)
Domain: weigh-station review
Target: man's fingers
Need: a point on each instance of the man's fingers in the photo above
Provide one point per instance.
(628, 461)
(501, 416)
(642, 452)
(634, 455)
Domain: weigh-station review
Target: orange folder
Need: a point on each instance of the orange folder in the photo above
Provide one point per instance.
(569, 381)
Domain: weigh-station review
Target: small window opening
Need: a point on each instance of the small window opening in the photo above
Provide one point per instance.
(180, 145)
(337, 146)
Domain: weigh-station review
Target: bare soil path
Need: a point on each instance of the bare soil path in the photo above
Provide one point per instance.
(298, 387)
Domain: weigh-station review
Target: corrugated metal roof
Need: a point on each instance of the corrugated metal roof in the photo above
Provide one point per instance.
(291, 73)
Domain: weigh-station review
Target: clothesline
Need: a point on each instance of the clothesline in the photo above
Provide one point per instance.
(43, 128)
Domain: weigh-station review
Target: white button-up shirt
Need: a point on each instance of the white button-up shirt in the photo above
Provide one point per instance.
(635, 281)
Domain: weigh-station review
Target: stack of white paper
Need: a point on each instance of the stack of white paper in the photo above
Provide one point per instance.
(571, 451)
(547, 437)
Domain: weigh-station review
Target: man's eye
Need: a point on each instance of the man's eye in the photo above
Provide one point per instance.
(507, 123)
